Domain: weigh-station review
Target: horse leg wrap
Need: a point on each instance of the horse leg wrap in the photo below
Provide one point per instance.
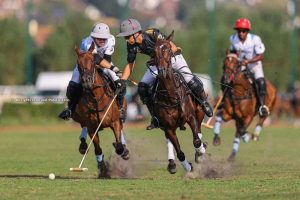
(83, 133)
(236, 144)
(200, 135)
(257, 130)
(123, 141)
(119, 148)
(186, 165)
(217, 126)
(99, 158)
(170, 147)
(201, 149)
(181, 156)
(246, 137)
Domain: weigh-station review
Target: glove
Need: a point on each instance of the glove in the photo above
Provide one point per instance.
(121, 85)
(114, 68)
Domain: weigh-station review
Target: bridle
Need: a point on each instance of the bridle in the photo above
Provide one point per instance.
(88, 80)
(163, 61)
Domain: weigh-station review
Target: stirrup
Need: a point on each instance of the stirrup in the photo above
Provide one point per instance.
(153, 125)
(263, 111)
(66, 114)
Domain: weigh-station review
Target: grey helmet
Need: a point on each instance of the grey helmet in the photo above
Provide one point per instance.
(129, 27)
(101, 30)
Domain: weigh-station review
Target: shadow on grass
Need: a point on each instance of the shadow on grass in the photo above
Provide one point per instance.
(41, 176)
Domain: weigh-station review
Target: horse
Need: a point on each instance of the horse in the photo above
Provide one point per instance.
(240, 102)
(174, 105)
(98, 93)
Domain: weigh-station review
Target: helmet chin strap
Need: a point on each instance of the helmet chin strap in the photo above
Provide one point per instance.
(136, 37)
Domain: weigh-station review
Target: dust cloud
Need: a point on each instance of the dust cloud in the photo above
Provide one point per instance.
(210, 169)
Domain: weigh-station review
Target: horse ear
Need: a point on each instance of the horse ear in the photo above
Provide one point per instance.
(227, 51)
(92, 47)
(170, 37)
(77, 50)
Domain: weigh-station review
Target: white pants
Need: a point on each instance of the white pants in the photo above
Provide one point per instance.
(256, 69)
(76, 76)
(178, 62)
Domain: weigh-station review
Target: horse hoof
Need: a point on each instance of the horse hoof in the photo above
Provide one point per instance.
(216, 140)
(172, 167)
(255, 137)
(125, 155)
(103, 170)
(199, 157)
(83, 147)
(119, 148)
(231, 158)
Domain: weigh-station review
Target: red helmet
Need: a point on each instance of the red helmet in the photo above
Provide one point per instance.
(242, 23)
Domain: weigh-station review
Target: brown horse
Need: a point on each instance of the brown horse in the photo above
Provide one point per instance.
(174, 106)
(98, 93)
(240, 102)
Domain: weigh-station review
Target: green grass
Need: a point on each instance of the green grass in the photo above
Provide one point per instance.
(267, 169)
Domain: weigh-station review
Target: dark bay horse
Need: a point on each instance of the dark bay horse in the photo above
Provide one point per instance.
(98, 93)
(240, 101)
(173, 104)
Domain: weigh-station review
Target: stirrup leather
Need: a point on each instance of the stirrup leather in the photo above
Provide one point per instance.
(154, 124)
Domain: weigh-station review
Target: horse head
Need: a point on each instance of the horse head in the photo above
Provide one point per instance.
(230, 67)
(163, 55)
(86, 66)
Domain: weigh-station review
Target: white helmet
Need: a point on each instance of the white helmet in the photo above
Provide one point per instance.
(101, 30)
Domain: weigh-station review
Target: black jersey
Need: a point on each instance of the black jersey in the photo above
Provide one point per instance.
(150, 37)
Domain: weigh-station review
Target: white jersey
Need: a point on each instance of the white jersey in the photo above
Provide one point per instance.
(107, 49)
(251, 47)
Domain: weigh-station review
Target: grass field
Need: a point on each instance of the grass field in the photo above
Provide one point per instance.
(268, 169)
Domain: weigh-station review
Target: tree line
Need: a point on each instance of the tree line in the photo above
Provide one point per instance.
(193, 37)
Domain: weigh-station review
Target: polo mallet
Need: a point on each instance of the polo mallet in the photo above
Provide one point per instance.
(133, 82)
(207, 124)
(79, 168)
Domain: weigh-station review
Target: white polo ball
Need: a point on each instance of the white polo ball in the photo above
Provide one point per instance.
(51, 176)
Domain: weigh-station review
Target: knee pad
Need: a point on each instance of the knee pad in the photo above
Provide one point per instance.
(144, 92)
(196, 85)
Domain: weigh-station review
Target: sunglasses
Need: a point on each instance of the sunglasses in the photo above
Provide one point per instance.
(100, 39)
(242, 30)
(127, 37)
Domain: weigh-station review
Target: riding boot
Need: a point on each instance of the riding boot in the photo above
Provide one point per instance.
(120, 100)
(154, 121)
(196, 87)
(261, 93)
(144, 90)
(74, 91)
(121, 91)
